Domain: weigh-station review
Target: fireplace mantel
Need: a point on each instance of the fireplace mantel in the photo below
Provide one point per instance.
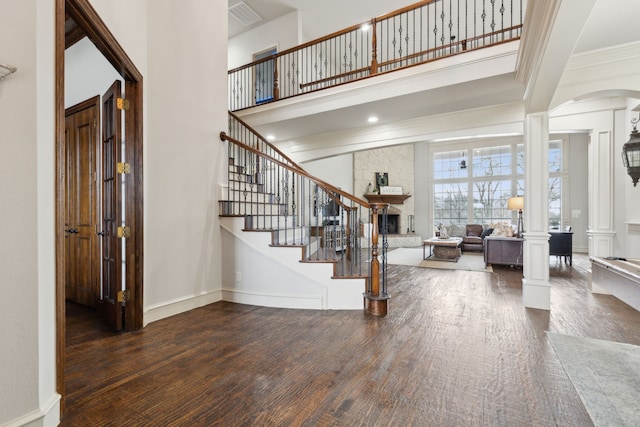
(392, 199)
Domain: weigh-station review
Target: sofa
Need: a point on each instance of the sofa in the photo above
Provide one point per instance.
(472, 236)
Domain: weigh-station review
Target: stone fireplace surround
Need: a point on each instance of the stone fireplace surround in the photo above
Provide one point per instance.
(395, 239)
(398, 162)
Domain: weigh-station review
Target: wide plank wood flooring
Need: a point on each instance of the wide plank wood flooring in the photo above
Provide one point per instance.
(457, 349)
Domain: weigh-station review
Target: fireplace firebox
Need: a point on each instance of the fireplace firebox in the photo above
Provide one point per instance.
(393, 224)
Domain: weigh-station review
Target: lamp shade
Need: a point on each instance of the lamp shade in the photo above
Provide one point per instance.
(515, 203)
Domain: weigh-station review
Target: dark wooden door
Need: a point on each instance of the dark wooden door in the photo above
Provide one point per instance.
(82, 270)
(111, 301)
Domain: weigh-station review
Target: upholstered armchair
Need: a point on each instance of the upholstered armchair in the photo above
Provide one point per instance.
(472, 241)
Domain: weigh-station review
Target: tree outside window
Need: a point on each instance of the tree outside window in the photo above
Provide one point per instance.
(479, 191)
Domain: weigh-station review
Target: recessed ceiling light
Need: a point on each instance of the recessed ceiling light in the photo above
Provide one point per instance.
(271, 137)
(372, 119)
(365, 27)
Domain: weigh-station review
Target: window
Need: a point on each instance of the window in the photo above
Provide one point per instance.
(555, 184)
(490, 201)
(450, 165)
(473, 185)
(492, 161)
(450, 203)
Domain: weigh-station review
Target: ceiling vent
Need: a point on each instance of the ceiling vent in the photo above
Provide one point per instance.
(244, 14)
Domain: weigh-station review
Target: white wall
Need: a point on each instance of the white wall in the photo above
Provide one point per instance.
(628, 196)
(185, 90)
(328, 16)
(422, 200)
(87, 73)
(282, 33)
(593, 116)
(27, 320)
(578, 205)
(337, 171)
(176, 46)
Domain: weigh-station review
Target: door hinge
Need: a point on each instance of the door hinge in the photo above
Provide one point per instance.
(122, 104)
(123, 296)
(95, 123)
(123, 167)
(123, 232)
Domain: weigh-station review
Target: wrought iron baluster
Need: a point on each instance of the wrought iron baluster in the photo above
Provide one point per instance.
(493, 17)
(442, 16)
(484, 18)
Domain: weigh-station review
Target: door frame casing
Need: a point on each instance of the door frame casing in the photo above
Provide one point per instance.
(89, 21)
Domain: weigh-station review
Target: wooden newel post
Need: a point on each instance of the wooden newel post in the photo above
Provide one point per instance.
(375, 302)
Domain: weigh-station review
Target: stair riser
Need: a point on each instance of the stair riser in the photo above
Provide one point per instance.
(249, 178)
(255, 209)
(253, 222)
(243, 186)
(249, 197)
(290, 237)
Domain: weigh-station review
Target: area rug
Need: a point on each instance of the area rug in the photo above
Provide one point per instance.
(605, 374)
(413, 256)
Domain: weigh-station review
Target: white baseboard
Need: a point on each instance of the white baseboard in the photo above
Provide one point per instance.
(272, 300)
(47, 416)
(162, 311)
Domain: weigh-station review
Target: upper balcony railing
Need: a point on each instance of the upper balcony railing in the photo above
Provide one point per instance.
(417, 34)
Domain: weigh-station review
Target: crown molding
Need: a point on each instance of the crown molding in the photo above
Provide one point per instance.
(603, 56)
(538, 23)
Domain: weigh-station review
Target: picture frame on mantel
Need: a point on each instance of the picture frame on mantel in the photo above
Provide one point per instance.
(382, 180)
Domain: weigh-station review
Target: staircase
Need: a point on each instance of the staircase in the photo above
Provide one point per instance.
(291, 240)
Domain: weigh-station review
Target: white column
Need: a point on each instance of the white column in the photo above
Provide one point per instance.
(536, 290)
(601, 230)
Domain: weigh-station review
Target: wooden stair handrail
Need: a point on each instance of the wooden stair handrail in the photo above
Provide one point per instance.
(297, 169)
(270, 145)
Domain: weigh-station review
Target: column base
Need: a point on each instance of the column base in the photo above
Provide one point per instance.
(536, 296)
(376, 305)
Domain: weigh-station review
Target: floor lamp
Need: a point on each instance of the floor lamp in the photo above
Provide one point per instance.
(517, 204)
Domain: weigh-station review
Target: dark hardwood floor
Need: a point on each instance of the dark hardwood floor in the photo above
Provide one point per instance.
(457, 349)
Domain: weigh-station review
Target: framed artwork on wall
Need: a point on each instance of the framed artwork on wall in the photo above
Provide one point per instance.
(382, 180)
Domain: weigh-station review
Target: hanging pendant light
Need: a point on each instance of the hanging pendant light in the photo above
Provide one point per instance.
(631, 154)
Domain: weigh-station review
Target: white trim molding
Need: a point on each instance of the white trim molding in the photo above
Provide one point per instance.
(633, 226)
(46, 416)
(536, 290)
